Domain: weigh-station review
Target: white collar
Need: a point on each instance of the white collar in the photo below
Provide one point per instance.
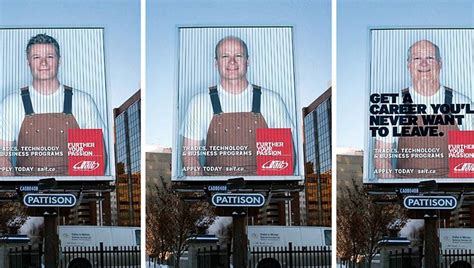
(58, 91)
(440, 91)
(249, 89)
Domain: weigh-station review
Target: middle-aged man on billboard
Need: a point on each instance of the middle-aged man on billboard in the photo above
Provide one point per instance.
(35, 125)
(224, 125)
(426, 155)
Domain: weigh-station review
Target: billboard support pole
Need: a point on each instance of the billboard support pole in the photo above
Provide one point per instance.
(51, 239)
(239, 246)
(431, 241)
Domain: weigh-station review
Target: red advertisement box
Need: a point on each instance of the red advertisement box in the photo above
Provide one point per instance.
(274, 152)
(86, 152)
(461, 154)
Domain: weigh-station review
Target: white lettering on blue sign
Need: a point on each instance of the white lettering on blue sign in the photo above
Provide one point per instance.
(50, 200)
(430, 202)
(29, 188)
(409, 190)
(238, 200)
(217, 188)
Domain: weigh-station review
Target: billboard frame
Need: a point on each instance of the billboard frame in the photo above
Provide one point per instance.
(447, 184)
(108, 132)
(196, 182)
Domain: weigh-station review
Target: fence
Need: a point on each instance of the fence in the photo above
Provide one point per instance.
(284, 257)
(291, 257)
(413, 259)
(113, 256)
(84, 257)
(458, 258)
(406, 258)
(218, 257)
(25, 256)
(153, 262)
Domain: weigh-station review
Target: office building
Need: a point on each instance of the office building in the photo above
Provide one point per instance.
(315, 201)
(127, 162)
(158, 168)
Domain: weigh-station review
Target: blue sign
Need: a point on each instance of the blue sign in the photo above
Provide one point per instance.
(50, 200)
(238, 200)
(217, 188)
(409, 190)
(430, 202)
(29, 188)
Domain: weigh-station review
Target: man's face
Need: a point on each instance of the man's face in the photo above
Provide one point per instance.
(423, 65)
(231, 60)
(43, 62)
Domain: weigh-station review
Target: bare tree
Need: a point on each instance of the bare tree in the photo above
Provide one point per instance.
(12, 214)
(156, 237)
(361, 223)
(171, 221)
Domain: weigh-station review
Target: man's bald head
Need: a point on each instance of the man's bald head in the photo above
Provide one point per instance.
(231, 38)
(424, 65)
(424, 44)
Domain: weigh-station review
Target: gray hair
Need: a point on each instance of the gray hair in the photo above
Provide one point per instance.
(244, 45)
(42, 39)
(437, 53)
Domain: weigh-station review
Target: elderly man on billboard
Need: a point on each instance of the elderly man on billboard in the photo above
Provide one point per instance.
(34, 122)
(221, 125)
(424, 65)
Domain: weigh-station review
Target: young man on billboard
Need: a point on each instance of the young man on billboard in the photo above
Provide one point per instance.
(221, 125)
(34, 124)
(422, 156)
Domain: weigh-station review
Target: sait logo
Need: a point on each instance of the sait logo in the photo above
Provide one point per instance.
(86, 165)
(464, 167)
(275, 165)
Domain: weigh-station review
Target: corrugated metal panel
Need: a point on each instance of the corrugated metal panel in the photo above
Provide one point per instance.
(82, 67)
(389, 73)
(270, 66)
(390, 50)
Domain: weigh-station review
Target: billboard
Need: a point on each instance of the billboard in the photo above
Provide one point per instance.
(53, 105)
(236, 105)
(420, 111)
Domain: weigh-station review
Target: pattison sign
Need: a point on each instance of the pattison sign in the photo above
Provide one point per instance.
(50, 200)
(430, 202)
(238, 200)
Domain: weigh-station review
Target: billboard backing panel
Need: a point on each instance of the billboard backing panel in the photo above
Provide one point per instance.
(54, 117)
(419, 107)
(236, 104)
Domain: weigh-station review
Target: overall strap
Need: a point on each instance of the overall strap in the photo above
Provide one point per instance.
(216, 103)
(257, 92)
(67, 100)
(25, 98)
(405, 91)
(448, 95)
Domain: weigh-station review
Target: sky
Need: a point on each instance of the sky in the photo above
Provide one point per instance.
(312, 39)
(119, 18)
(312, 48)
(354, 18)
